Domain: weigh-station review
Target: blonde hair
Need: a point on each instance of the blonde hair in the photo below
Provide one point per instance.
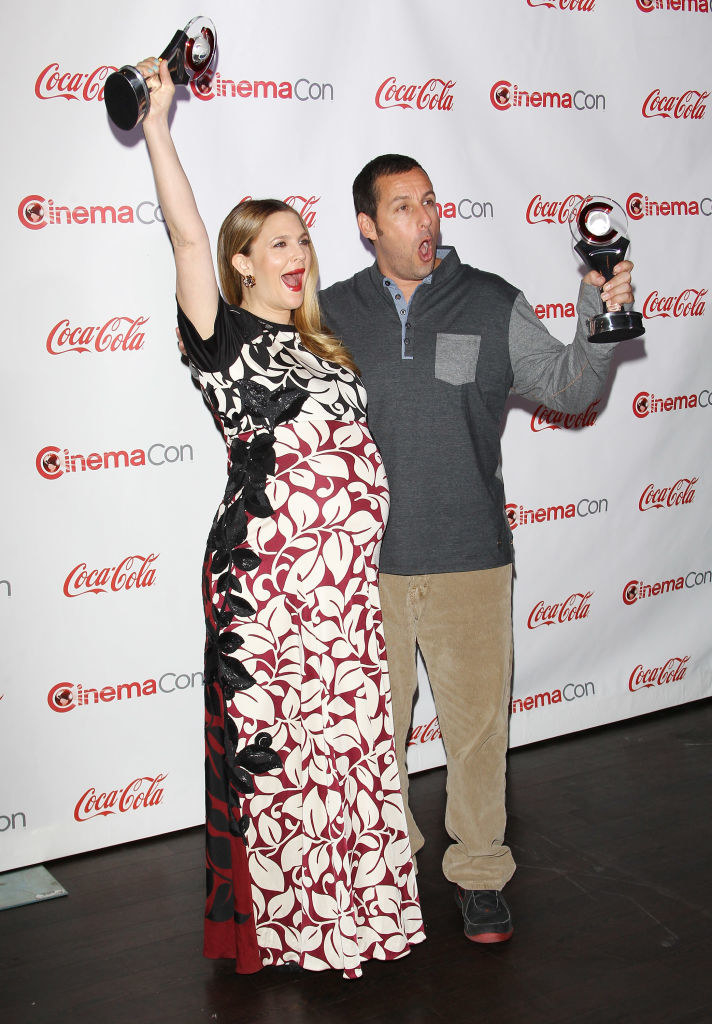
(239, 230)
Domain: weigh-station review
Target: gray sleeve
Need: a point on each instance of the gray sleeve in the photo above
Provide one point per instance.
(563, 377)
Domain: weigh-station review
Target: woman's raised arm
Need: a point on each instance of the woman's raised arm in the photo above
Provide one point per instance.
(196, 284)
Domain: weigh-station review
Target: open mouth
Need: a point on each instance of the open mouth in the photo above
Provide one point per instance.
(294, 280)
(425, 250)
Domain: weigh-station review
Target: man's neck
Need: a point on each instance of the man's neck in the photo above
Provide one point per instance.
(407, 287)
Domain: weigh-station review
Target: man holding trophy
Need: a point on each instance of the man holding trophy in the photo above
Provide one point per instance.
(440, 346)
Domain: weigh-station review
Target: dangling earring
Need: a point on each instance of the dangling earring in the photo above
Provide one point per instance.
(248, 281)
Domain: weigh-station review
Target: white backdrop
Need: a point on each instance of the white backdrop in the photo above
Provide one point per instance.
(113, 468)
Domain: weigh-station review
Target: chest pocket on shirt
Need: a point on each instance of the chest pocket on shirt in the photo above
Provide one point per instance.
(456, 357)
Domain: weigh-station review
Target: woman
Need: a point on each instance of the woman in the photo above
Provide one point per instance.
(308, 856)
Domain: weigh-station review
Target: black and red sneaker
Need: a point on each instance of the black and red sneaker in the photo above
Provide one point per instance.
(485, 913)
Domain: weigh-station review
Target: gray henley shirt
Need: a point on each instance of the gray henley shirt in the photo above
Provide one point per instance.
(435, 405)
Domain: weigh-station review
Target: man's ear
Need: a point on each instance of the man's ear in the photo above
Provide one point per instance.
(242, 264)
(367, 227)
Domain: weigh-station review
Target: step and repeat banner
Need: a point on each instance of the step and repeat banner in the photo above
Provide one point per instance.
(518, 109)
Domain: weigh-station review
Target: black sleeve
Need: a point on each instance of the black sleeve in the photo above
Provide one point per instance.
(220, 350)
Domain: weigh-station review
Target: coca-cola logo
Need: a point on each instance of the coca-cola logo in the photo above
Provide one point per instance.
(672, 671)
(118, 334)
(505, 95)
(552, 419)
(682, 492)
(426, 732)
(53, 83)
(35, 212)
(134, 572)
(145, 791)
(211, 87)
(435, 94)
(583, 6)
(66, 696)
(305, 206)
(53, 462)
(573, 608)
(554, 211)
(689, 302)
(690, 105)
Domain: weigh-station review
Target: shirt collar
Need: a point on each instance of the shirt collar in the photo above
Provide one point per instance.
(440, 253)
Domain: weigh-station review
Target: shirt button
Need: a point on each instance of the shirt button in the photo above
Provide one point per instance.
(399, 296)
(402, 312)
(387, 284)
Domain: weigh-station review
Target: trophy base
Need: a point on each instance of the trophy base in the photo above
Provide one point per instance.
(127, 97)
(608, 327)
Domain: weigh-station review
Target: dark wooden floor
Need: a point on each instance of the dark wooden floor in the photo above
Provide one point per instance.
(612, 904)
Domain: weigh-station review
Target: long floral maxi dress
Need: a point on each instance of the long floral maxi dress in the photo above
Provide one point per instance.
(308, 857)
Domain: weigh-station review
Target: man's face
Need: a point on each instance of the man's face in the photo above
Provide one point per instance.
(405, 232)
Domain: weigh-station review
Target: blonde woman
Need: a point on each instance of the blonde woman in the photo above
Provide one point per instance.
(308, 858)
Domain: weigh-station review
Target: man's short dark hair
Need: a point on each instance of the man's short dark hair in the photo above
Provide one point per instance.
(364, 187)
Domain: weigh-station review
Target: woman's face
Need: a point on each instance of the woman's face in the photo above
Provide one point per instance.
(279, 262)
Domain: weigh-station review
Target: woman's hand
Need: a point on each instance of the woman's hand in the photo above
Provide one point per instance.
(160, 85)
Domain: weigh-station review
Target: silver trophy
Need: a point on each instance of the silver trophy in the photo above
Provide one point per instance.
(190, 55)
(600, 239)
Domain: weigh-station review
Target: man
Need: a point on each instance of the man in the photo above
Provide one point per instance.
(440, 345)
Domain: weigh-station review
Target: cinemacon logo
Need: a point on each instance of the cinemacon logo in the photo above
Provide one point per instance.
(690, 105)
(689, 302)
(639, 205)
(118, 334)
(54, 83)
(304, 205)
(53, 462)
(504, 95)
(682, 492)
(646, 403)
(555, 310)
(536, 701)
(573, 608)
(518, 515)
(682, 6)
(146, 791)
(637, 590)
(36, 212)
(467, 209)
(303, 89)
(435, 94)
(66, 696)
(672, 671)
(134, 572)
(551, 419)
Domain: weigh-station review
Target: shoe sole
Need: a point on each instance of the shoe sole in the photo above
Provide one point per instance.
(488, 937)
